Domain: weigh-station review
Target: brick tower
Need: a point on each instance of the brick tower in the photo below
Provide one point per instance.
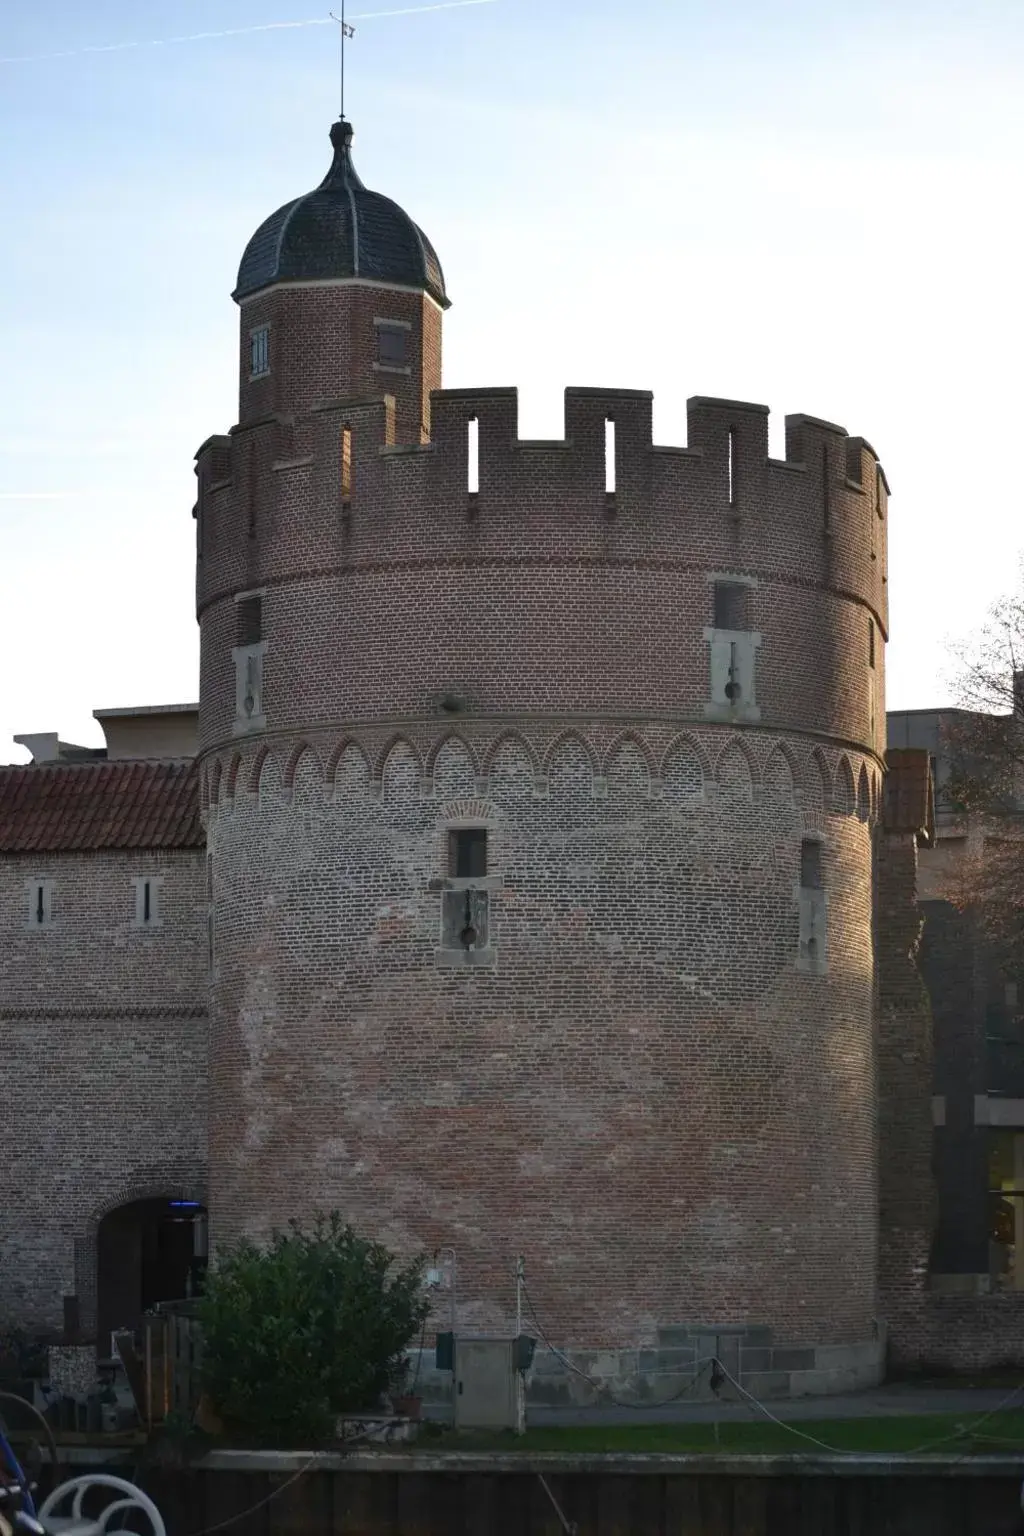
(540, 825)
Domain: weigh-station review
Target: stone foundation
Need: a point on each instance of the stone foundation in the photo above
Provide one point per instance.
(679, 1367)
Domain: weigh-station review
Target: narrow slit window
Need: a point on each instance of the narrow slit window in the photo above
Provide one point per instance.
(473, 455)
(259, 351)
(871, 642)
(609, 457)
(810, 865)
(40, 903)
(826, 490)
(249, 620)
(731, 604)
(346, 463)
(732, 466)
(467, 853)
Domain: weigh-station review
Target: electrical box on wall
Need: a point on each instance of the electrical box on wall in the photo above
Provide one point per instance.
(488, 1384)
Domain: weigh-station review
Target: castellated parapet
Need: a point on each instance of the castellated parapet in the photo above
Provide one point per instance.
(382, 548)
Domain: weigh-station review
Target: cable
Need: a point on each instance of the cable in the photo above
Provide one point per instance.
(960, 1433)
(963, 1431)
(600, 1386)
(222, 1525)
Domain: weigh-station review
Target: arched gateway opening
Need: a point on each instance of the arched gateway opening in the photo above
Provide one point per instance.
(146, 1251)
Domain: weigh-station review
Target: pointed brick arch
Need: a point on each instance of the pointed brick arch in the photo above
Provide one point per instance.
(509, 738)
(819, 781)
(864, 794)
(563, 739)
(448, 739)
(215, 776)
(630, 739)
(298, 752)
(350, 747)
(399, 739)
(736, 752)
(256, 771)
(844, 793)
(687, 745)
(231, 778)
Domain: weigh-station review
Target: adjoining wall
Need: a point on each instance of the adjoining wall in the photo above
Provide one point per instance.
(639, 1089)
(105, 1027)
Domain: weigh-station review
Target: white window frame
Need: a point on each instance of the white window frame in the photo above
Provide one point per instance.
(32, 897)
(812, 906)
(732, 657)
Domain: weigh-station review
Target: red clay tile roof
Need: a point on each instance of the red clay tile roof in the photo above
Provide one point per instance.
(909, 805)
(77, 807)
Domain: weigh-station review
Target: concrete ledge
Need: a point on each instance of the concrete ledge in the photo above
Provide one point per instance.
(654, 1464)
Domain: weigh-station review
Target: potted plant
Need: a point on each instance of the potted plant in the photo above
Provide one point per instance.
(405, 1402)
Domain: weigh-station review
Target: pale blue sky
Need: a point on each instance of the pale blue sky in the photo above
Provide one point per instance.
(812, 206)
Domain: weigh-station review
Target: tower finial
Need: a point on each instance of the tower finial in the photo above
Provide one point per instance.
(345, 31)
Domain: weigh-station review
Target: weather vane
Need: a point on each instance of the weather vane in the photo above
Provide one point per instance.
(345, 31)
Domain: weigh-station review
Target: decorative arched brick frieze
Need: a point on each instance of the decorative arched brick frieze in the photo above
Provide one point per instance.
(180, 1179)
(844, 794)
(399, 739)
(564, 738)
(348, 748)
(231, 777)
(508, 738)
(863, 794)
(679, 748)
(449, 738)
(256, 771)
(633, 739)
(734, 752)
(215, 777)
(819, 780)
(295, 757)
(782, 771)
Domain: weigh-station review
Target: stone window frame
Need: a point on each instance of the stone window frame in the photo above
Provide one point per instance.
(812, 903)
(381, 324)
(249, 659)
(156, 913)
(447, 954)
(259, 351)
(39, 893)
(740, 647)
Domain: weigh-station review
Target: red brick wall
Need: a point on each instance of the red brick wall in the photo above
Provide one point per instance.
(643, 1096)
(323, 346)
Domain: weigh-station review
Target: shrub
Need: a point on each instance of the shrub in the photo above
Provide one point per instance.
(313, 1325)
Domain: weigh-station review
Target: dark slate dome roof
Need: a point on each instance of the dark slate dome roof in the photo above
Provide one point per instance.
(341, 230)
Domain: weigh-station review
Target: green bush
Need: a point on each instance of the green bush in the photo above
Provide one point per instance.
(313, 1325)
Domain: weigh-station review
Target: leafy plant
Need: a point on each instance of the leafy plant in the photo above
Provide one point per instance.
(313, 1325)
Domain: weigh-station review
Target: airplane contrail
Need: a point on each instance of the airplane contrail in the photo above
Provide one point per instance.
(202, 37)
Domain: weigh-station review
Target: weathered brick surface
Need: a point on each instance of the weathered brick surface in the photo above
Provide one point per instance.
(104, 1036)
(643, 1096)
(323, 344)
(637, 1088)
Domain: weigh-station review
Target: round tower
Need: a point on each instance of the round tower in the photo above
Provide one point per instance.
(540, 824)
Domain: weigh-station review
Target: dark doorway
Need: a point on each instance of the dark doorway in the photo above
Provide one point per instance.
(146, 1252)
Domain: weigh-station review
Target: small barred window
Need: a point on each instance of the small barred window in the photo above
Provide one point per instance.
(259, 357)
